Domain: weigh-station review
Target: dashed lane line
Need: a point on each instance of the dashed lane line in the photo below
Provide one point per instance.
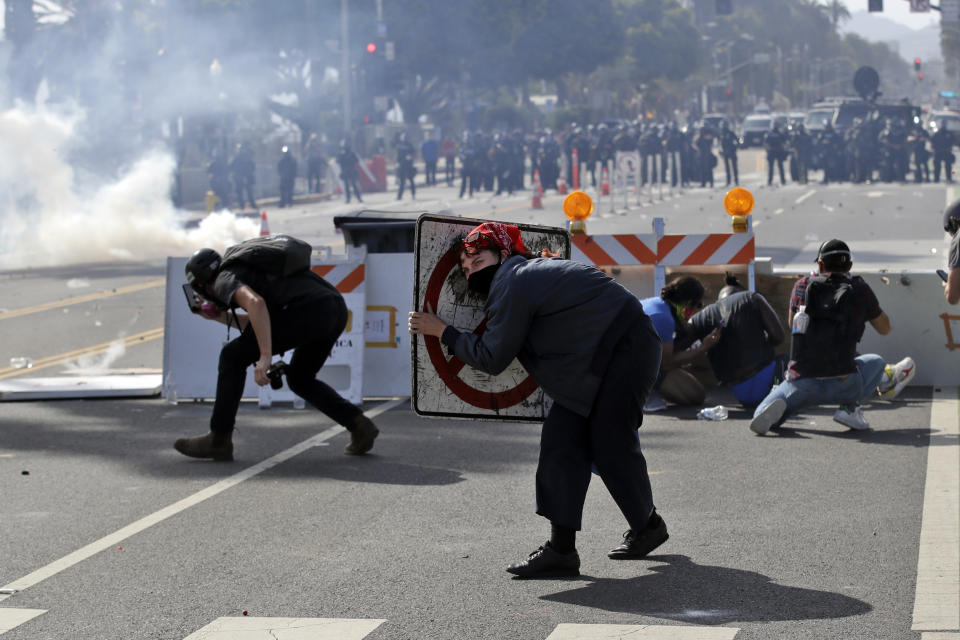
(169, 511)
(10, 618)
(640, 632)
(287, 629)
(805, 196)
(936, 606)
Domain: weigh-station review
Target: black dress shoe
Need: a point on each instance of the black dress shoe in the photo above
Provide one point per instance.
(637, 544)
(546, 562)
(217, 447)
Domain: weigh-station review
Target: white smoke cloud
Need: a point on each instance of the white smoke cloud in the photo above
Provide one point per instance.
(48, 219)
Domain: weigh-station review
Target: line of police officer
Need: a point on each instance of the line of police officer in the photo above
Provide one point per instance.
(873, 149)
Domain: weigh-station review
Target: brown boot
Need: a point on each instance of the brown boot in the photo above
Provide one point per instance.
(216, 446)
(362, 435)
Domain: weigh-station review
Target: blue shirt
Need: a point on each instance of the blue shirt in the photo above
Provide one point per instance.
(429, 149)
(662, 315)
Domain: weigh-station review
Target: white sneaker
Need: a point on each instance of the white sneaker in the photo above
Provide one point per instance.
(897, 376)
(852, 417)
(654, 403)
(772, 413)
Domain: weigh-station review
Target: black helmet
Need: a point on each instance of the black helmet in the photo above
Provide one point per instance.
(951, 218)
(201, 269)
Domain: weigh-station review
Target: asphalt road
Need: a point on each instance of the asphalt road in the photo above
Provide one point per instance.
(810, 533)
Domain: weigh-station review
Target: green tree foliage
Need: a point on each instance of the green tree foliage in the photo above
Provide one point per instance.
(661, 40)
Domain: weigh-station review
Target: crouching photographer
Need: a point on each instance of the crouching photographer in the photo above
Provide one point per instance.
(284, 306)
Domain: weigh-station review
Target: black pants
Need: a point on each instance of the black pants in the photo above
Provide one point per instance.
(286, 192)
(404, 176)
(450, 171)
(778, 160)
(244, 185)
(430, 170)
(350, 184)
(310, 328)
(730, 161)
(947, 166)
(571, 443)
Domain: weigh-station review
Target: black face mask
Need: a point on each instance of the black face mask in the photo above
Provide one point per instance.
(479, 281)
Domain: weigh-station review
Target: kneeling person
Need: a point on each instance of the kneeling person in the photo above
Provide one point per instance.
(678, 300)
(828, 314)
(749, 330)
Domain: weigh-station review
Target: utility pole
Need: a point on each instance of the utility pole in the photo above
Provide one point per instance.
(346, 78)
(950, 39)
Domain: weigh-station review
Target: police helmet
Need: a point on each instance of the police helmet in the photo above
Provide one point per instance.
(202, 267)
(951, 218)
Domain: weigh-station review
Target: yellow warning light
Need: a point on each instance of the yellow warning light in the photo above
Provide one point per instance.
(577, 206)
(738, 202)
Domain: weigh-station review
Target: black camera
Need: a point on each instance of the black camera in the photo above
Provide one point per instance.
(275, 374)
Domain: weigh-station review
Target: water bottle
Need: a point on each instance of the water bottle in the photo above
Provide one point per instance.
(21, 362)
(170, 388)
(801, 320)
(716, 413)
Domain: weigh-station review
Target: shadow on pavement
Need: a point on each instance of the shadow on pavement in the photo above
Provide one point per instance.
(680, 589)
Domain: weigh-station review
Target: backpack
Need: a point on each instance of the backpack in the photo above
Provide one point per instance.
(278, 255)
(829, 345)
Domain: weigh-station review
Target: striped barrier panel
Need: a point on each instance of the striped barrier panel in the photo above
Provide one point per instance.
(659, 250)
(623, 249)
(705, 249)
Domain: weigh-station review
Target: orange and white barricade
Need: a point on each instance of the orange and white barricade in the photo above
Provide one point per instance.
(657, 251)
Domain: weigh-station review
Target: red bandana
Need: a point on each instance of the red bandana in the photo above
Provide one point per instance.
(503, 236)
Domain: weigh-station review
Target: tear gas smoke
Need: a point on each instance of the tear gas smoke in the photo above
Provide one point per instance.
(48, 218)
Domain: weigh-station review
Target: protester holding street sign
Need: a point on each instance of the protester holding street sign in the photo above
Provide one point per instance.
(587, 342)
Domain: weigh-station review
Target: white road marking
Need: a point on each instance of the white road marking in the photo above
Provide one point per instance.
(778, 211)
(937, 603)
(805, 196)
(875, 194)
(639, 632)
(940, 635)
(286, 629)
(10, 618)
(120, 535)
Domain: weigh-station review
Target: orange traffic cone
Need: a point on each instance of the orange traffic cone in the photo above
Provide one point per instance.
(537, 202)
(264, 227)
(605, 183)
(561, 185)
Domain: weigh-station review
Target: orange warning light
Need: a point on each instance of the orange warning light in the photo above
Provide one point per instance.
(738, 202)
(578, 206)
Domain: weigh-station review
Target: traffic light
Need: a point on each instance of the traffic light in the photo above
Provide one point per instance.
(916, 65)
(371, 47)
(919, 76)
(875, 5)
(724, 7)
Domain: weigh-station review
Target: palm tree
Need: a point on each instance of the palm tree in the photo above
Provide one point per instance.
(836, 10)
